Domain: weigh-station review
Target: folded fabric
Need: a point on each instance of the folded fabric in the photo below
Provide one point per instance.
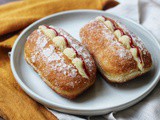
(14, 103)
(9, 41)
(17, 15)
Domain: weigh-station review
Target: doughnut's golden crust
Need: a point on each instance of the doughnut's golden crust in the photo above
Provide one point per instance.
(115, 62)
(60, 82)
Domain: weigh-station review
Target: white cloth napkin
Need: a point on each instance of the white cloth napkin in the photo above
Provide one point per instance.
(147, 13)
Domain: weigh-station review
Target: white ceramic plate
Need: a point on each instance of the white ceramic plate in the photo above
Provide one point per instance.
(102, 97)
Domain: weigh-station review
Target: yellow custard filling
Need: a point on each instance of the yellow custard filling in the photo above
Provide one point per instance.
(124, 39)
(70, 53)
(117, 33)
(60, 42)
(100, 18)
(109, 25)
(48, 32)
(134, 54)
(79, 65)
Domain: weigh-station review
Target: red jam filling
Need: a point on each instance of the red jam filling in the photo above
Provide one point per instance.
(131, 40)
(112, 21)
(138, 54)
(104, 17)
(75, 50)
(58, 34)
(84, 66)
(52, 29)
(67, 44)
(133, 46)
(120, 29)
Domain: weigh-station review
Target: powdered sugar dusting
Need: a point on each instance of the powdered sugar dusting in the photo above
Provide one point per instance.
(137, 41)
(81, 50)
(123, 53)
(33, 58)
(54, 57)
(45, 51)
(48, 51)
(101, 33)
(41, 41)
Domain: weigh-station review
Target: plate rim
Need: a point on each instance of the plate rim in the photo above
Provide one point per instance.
(64, 108)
